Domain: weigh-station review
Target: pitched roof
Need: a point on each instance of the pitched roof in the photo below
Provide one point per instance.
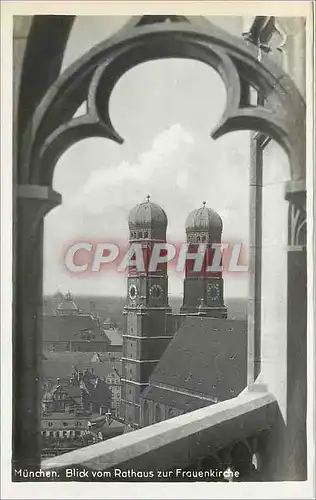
(61, 364)
(207, 356)
(114, 336)
(68, 304)
(184, 402)
(71, 328)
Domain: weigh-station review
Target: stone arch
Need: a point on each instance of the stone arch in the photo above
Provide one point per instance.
(241, 459)
(93, 77)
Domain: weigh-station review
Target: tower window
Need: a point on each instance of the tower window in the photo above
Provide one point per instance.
(146, 234)
(139, 234)
(203, 238)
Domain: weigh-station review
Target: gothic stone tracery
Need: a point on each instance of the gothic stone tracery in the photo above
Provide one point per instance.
(48, 131)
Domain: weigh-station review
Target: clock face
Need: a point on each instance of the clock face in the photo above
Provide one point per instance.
(213, 291)
(132, 292)
(156, 292)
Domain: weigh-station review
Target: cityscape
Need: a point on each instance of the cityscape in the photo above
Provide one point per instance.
(161, 330)
(104, 376)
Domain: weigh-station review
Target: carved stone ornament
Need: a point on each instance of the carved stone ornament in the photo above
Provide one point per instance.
(92, 78)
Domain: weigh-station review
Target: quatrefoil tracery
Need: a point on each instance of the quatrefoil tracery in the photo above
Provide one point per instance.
(93, 77)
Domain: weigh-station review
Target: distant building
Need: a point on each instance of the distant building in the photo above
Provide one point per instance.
(61, 365)
(64, 425)
(105, 427)
(83, 391)
(69, 406)
(173, 363)
(68, 329)
(113, 380)
(77, 412)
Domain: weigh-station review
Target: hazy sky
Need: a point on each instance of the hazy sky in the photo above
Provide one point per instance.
(165, 111)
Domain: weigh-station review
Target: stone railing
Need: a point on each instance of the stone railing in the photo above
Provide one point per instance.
(230, 436)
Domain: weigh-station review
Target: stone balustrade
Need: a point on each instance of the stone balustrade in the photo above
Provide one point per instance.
(229, 436)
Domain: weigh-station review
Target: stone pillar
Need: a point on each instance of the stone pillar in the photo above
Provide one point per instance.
(33, 202)
(255, 242)
(295, 444)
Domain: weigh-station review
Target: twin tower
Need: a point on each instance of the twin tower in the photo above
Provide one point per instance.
(149, 322)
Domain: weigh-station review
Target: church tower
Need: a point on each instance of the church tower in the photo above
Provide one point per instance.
(145, 334)
(203, 286)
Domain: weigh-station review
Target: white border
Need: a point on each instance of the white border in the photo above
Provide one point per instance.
(143, 490)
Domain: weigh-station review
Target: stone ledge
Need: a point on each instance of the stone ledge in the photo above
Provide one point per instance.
(180, 440)
(35, 192)
(295, 192)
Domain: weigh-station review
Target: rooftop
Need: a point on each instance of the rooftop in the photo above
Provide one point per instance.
(72, 328)
(61, 364)
(207, 356)
(114, 336)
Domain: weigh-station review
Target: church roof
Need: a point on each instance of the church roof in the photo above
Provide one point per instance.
(184, 402)
(203, 219)
(147, 214)
(206, 357)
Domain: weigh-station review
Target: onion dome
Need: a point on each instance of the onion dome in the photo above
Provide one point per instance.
(147, 220)
(204, 224)
(203, 219)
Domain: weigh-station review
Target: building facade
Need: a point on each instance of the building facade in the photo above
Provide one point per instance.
(203, 283)
(145, 336)
(69, 329)
(114, 383)
(156, 383)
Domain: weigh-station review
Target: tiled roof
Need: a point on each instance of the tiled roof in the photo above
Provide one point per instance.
(61, 364)
(73, 391)
(173, 399)
(114, 336)
(206, 356)
(71, 328)
(100, 421)
(103, 306)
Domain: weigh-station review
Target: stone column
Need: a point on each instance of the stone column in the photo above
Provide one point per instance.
(295, 444)
(255, 243)
(32, 203)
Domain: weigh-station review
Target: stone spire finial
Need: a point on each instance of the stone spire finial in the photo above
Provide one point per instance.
(148, 198)
(203, 203)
